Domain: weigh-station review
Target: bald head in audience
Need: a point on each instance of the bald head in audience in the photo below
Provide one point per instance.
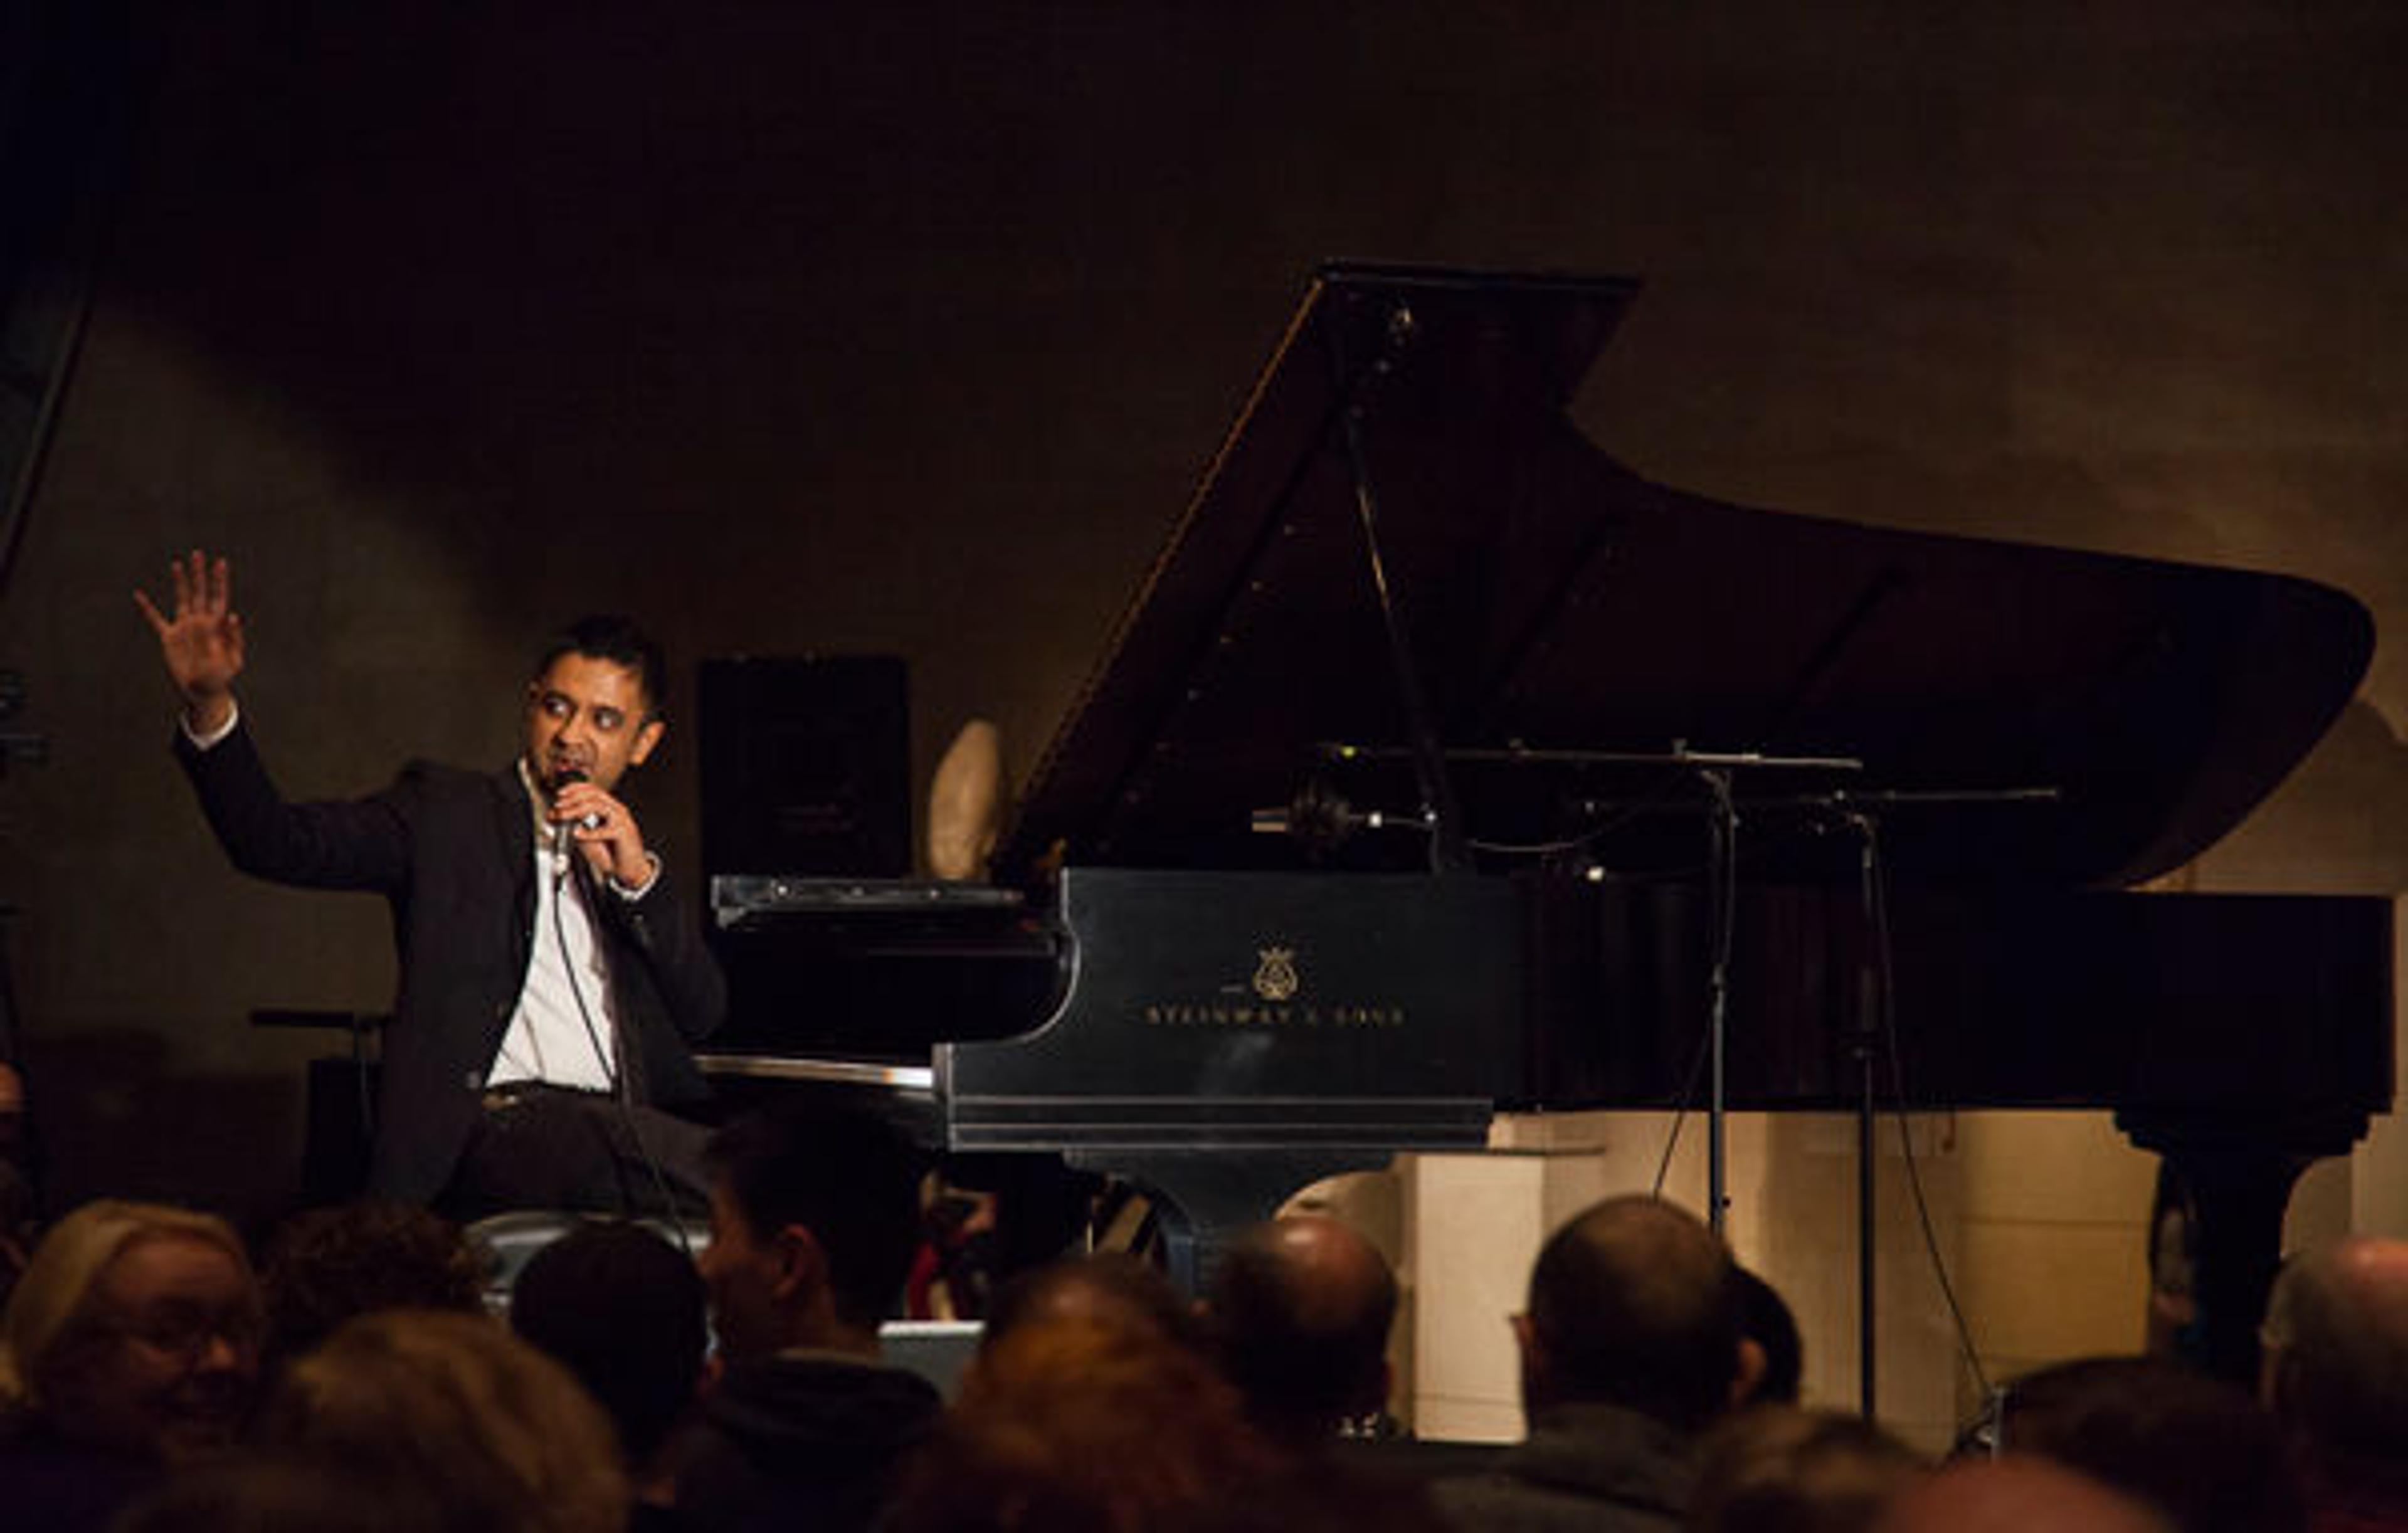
(1635, 1303)
(1300, 1310)
(2017, 1495)
(2335, 1371)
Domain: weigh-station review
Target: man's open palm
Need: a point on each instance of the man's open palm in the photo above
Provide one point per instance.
(202, 642)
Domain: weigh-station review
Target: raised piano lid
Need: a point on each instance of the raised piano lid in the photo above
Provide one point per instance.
(1556, 599)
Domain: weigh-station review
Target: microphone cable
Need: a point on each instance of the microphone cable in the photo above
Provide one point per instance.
(614, 1058)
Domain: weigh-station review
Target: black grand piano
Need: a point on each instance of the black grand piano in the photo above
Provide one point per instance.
(1442, 764)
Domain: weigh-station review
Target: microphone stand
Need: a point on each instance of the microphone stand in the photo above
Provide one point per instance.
(1872, 996)
(1714, 769)
(1875, 1003)
(1722, 899)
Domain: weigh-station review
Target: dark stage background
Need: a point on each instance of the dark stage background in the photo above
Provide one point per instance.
(907, 327)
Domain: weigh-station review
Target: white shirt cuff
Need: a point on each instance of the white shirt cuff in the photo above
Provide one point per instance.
(203, 742)
(637, 890)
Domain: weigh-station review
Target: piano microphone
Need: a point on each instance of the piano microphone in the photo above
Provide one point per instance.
(1321, 818)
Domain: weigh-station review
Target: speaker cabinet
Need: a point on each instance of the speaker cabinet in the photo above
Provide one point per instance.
(806, 765)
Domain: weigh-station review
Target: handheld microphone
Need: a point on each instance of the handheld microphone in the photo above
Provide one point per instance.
(583, 821)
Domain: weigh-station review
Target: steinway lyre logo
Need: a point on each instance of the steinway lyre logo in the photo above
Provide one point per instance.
(1275, 977)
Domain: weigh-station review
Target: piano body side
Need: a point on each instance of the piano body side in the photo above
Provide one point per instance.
(1226, 1038)
(1220, 1010)
(2150, 1004)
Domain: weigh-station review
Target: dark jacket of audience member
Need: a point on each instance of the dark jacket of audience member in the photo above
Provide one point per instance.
(803, 1441)
(1630, 1349)
(130, 1345)
(813, 1224)
(2197, 1449)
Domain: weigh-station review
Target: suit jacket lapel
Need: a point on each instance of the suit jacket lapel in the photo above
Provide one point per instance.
(514, 832)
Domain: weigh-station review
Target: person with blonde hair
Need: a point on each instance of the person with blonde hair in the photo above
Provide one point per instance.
(130, 1344)
(453, 1406)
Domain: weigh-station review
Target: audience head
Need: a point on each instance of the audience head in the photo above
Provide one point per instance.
(1764, 1319)
(1633, 1303)
(623, 1309)
(136, 1328)
(1076, 1426)
(325, 1266)
(456, 1406)
(1300, 1310)
(1109, 1288)
(2016, 1495)
(1775, 1468)
(814, 1220)
(2335, 1371)
(282, 1492)
(2197, 1449)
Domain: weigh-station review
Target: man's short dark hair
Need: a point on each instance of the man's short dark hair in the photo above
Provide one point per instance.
(608, 635)
(1633, 1303)
(623, 1311)
(848, 1177)
(1764, 1318)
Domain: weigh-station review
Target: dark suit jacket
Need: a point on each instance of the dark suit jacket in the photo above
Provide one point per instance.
(1584, 1468)
(453, 854)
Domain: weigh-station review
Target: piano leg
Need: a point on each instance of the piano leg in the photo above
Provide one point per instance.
(2240, 1174)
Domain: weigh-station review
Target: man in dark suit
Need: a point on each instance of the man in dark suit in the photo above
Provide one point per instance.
(552, 975)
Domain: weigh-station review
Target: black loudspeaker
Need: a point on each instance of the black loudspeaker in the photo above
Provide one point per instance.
(806, 765)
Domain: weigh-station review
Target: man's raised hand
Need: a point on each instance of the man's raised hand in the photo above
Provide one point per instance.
(202, 642)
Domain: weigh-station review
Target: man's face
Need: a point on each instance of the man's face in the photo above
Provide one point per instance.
(166, 1355)
(587, 717)
(744, 1274)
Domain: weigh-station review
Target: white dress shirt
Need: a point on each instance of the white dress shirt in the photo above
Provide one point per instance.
(562, 1029)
